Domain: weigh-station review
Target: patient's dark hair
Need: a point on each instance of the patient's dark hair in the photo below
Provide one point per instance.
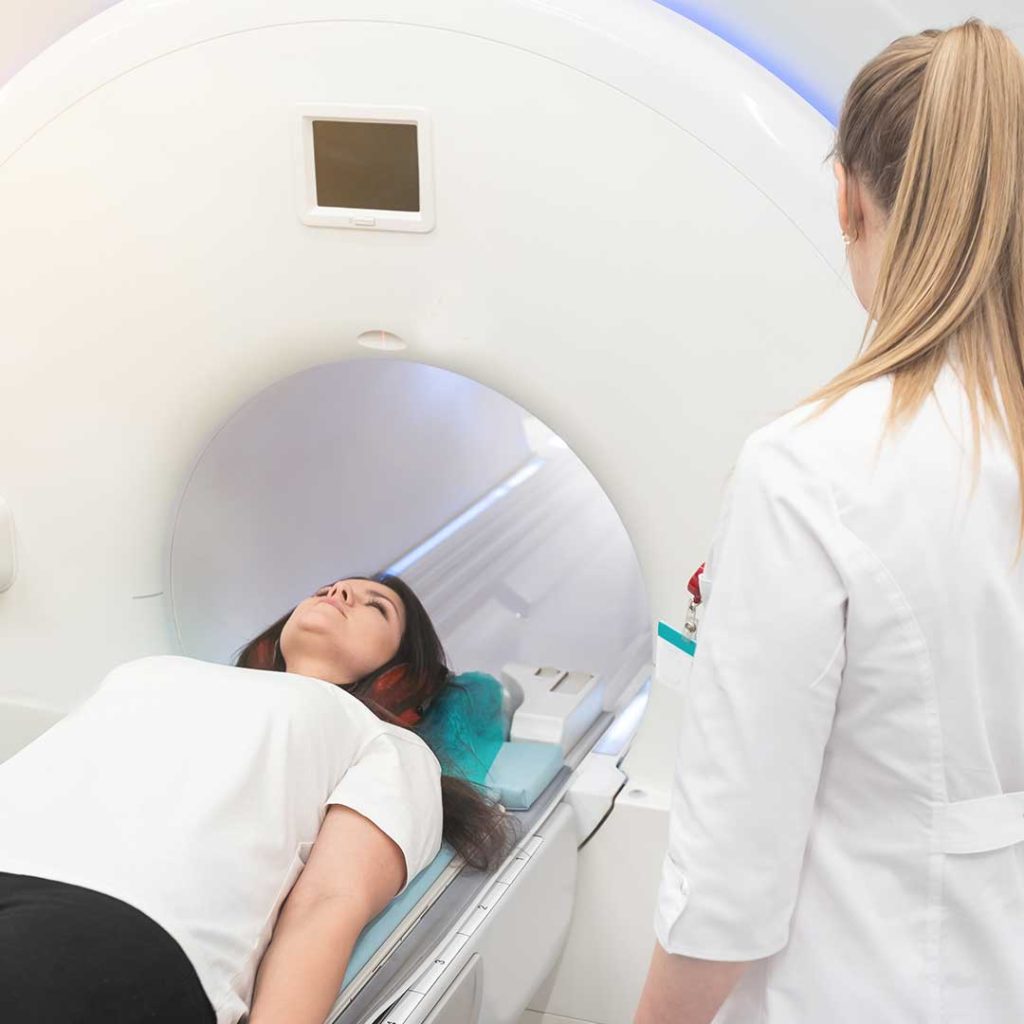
(476, 827)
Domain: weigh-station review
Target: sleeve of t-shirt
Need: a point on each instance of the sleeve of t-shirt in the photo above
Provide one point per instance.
(395, 782)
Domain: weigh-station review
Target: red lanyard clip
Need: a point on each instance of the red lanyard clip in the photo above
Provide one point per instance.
(694, 585)
(690, 626)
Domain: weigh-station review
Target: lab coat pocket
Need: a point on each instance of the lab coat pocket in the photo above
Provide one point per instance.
(982, 825)
(980, 909)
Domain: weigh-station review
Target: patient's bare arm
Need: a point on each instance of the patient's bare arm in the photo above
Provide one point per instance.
(303, 966)
(353, 871)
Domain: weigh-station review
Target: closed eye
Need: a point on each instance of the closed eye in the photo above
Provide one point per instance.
(380, 607)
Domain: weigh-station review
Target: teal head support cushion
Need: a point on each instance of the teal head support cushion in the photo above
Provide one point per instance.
(465, 726)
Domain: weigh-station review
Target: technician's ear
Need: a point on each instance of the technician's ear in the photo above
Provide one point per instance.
(842, 198)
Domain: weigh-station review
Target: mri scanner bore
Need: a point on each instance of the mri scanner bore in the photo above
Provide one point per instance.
(389, 465)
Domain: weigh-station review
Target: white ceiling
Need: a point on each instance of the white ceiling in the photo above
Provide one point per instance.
(815, 45)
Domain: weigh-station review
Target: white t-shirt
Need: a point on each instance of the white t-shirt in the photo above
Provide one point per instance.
(194, 792)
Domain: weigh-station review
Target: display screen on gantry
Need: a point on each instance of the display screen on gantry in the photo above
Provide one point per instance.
(366, 165)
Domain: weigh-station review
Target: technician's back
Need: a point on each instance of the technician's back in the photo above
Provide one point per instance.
(849, 800)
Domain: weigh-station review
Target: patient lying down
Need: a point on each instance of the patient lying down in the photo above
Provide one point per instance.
(234, 828)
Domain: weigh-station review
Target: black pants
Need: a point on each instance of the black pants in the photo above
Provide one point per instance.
(70, 955)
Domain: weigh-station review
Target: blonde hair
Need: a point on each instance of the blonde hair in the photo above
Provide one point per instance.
(933, 128)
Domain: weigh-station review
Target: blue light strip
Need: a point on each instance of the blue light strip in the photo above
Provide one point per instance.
(622, 730)
(733, 35)
(468, 516)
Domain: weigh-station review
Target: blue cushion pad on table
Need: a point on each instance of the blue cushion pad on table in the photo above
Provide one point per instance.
(521, 772)
(375, 933)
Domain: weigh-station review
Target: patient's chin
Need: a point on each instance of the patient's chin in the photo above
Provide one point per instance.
(323, 624)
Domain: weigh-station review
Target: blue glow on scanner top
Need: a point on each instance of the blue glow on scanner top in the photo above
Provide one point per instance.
(732, 34)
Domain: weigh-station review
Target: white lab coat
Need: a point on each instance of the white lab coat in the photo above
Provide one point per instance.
(848, 807)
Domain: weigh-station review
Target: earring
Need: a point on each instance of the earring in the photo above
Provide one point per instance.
(846, 239)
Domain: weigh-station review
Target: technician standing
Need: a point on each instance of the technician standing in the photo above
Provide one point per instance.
(847, 830)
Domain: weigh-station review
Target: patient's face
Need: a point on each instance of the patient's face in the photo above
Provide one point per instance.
(344, 631)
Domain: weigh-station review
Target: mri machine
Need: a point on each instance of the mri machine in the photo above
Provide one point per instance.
(606, 234)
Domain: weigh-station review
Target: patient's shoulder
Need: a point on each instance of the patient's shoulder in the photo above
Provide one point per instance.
(411, 744)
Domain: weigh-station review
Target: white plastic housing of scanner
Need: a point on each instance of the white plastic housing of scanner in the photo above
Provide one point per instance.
(597, 782)
(8, 556)
(557, 706)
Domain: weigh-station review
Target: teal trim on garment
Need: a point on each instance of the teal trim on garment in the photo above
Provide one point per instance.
(676, 639)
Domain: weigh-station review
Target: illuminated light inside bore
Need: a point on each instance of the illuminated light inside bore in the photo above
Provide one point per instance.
(466, 517)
